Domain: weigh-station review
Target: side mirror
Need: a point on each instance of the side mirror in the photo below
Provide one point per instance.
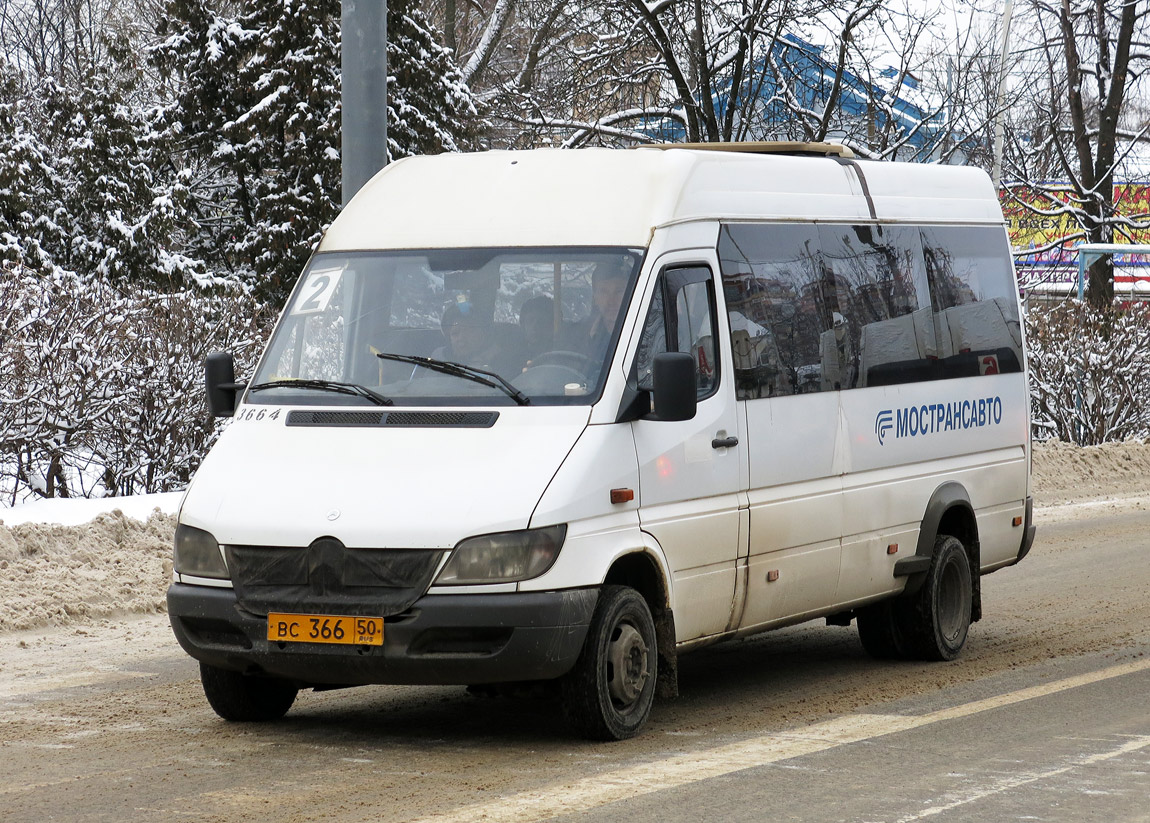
(220, 379)
(674, 394)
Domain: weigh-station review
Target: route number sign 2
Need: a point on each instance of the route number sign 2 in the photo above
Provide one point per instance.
(317, 291)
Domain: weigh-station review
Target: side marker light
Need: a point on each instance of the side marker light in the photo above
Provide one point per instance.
(622, 495)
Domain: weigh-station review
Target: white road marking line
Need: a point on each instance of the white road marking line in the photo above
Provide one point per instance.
(1009, 783)
(1042, 690)
(692, 767)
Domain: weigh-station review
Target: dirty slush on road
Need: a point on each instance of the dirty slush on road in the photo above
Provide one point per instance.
(96, 696)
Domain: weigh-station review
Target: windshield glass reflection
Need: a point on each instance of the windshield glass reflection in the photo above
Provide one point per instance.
(521, 324)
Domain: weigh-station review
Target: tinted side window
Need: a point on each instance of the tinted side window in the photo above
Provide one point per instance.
(883, 331)
(974, 300)
(779, 304)
(681, 318)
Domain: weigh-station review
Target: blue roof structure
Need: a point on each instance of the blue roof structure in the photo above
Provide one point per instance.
(809, 76)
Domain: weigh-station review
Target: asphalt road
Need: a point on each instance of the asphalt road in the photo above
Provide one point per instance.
(1045, 717)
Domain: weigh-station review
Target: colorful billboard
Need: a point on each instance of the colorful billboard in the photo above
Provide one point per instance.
(1043, 238)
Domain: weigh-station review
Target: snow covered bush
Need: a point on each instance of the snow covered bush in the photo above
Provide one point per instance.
(1089, 372)
(102, 388)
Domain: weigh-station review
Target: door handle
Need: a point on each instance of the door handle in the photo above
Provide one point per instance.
(724, 442)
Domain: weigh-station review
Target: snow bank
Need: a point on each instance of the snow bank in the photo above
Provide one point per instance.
(57, 574)
(59, 566)
(1063, 472)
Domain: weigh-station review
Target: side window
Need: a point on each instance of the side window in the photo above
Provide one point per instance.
(317, 328)
(974, 299)
(780, 304)
(681, 318)
(653, 338)
(883, 331)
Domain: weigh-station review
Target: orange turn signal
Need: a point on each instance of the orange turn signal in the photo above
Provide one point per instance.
(892, 548)
(622, 495)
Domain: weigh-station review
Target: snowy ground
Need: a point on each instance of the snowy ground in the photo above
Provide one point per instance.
(73, 561)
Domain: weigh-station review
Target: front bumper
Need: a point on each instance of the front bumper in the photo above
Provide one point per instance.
(442, 639)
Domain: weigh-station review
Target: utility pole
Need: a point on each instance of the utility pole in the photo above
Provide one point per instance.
(363, 65)
(996, 172)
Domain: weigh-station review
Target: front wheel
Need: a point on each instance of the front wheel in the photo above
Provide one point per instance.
(245, 698)
(609, 692)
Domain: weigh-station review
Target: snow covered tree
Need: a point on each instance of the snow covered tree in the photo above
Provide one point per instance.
(429, 107)
(285, 143)
(199, 57)
(255, 110)
(113, 216)
(79, 190)
(23, 174)
(874, 74)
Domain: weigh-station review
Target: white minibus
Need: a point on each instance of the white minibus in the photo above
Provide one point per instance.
(564, 416)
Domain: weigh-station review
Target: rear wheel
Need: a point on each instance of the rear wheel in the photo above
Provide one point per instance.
(934, 624)
(609, 692)
(246, 698)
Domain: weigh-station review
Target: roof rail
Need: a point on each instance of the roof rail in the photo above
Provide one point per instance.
(794, 148)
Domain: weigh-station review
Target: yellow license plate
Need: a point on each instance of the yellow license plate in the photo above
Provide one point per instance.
(325, 628)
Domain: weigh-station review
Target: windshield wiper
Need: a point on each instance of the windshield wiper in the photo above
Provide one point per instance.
(326, 385)
(487, 378)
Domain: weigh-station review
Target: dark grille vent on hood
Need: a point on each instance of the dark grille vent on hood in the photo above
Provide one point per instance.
(334, 418)
(477, 420)
(472, 420)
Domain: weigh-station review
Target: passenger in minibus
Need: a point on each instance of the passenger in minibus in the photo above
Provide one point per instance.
(608, 287)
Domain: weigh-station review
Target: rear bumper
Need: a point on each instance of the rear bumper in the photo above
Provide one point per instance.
(442, 639)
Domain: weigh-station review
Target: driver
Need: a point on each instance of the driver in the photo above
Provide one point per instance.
(470, 339)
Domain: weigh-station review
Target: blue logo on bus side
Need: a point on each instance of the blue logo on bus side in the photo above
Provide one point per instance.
(934, 418)
(883, 423)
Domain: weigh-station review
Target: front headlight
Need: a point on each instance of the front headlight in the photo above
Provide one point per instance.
(198, 554)
(503, 558)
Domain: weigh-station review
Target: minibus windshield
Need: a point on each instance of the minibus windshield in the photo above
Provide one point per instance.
(450, 327)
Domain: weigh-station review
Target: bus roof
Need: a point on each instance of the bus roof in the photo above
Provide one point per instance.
(609, 197)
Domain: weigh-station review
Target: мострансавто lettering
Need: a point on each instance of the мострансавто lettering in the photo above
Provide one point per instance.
(934, 418)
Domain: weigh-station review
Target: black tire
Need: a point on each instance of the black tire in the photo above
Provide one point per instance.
(244, 698)
(609, 692)
(933, 625)
(878, 631)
